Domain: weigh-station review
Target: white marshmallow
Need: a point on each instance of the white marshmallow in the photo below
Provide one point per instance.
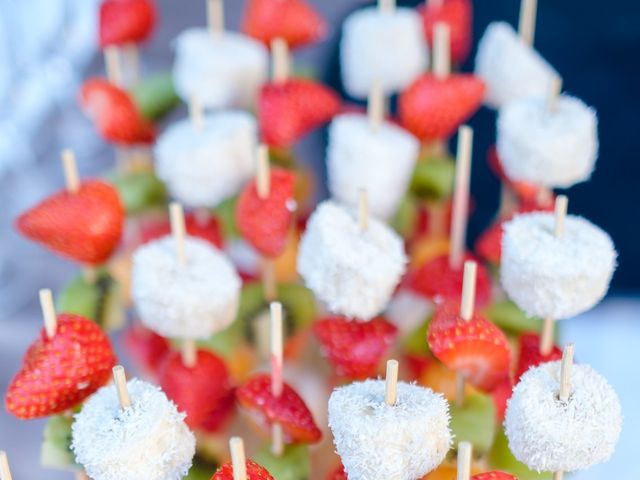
(377, 441)
(380, 161)
(553, 277)
(224, 71)
(201, 168)
(353, 271)
(556, 149)
(148, 440)
(194, 300)
(548, 434)
(388, 47)
(509, 67)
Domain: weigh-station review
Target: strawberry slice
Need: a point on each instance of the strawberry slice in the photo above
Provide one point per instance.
(115, 114)
(289, 410)
(254, 472)
(501, 395)
(354, 348)
(58, 373)
(197, 390)
(458, 15)
(126, 21)
(496, 475)
(338, 474)
(207, 228)
(265, 222)
(146, 348)
(530, 356)
(437, 281)
(85, 226)
(289, 110)
(219, 417)
(296, 21)
(489, 244)
(475, 348)
(433, 108)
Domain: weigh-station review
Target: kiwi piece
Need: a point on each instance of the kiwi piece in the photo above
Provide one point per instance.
(226, 213)
(155, 96)
(139, 191)
(506, 315)
(201, 469)
(416, 341)
(501, 458)
(475, 421)
(55, 451)
(293, 464)
(406, 217)
(433, 179)
(99, 300)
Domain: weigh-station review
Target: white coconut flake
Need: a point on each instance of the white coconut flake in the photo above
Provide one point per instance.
(380, 442)
(555, 148)
(147, 441)
(194, 300)
(380, 160)
(553, 277)
(548, 434)
(354, 272)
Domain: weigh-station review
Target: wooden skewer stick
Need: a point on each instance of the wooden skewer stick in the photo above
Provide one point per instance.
(467, 302)
(131, 56)
(70, 167)
(558, 475)
(280, 59)
(189, 352)
(196, 113)
(464, 461)
(546, 336)
(268, 274)
(391, 385)
(238, 458)
(441, 50)
(565, 372)
(48, 312)
(5, 472)
(527, 26)
(120, 380)
(387, 6)
(555, 88)
(178, 229)
(112, 65)
(461, 197)
(215, 17)
(277, 383)
(363, 210)
(375, 106)
(263, 175)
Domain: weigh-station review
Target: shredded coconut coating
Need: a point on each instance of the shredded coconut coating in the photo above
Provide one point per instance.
(147, 441)
(388, 47)
(380, 442)
(223, 71)
(548, 434)
(380, 161)
(556, 149)
(510, 68)
(354, 272)
(194, 300)
(554, 277)
(201, 168)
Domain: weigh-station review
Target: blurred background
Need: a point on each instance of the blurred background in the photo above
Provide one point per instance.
(47, 48)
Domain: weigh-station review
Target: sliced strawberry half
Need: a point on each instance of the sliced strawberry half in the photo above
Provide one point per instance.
(354, 348)
(476, 348)
(530, 356)
(494, 476)
(458, 15)
(501, 395)
(338, 474)
(289, 410)
(146, 348)
(254, 472)
(126, 21)
(207, 228)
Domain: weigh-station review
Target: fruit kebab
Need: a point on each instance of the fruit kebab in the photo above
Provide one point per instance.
(130, 430)
(563, 417)
(388, 429)
(240, 468)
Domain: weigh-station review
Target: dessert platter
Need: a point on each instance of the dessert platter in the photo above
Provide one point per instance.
(269, 335)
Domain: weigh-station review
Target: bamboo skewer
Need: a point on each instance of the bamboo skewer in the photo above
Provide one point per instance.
(527, 24)
(375, 106)
(48, 312)
(391, 383)
(461, 197)
(363, 210)
(277, 383)
(215, 17)
(238, 458)
(441, 50)
(5, 472)
(565, 386)
(281, 61)
(467, 305)
(464, 461)
(120, 381)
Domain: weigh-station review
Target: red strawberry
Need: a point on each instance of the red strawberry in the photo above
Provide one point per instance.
(295, 21)
(476, 348)
(338, 474)
(458, 15)
(354, 348)
(126, 21)
(289, 110)
(85, 226)
(146, 348)
(489, 244)
(494, 476)
(115, 114)
(58, 373)
(530, 355)
(432, 108)
(254, 472)
(198, 390)
(205, 228)
(289, 410)
(218, 418)
(437, 281)
(501, 395)
(265, 222)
